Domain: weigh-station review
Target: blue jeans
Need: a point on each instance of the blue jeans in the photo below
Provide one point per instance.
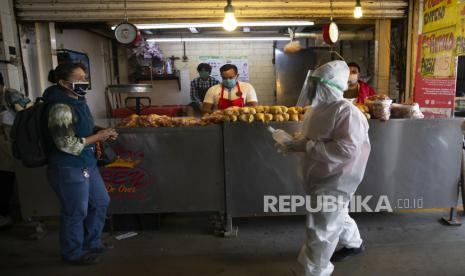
(84, 201)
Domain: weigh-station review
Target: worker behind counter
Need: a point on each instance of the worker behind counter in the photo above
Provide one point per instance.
(200, 86)
(230, 92)
(357, 89)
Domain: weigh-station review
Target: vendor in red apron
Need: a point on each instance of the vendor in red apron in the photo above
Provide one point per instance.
(230, 92)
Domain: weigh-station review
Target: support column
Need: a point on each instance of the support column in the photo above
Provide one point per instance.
(10, 51)
(44, 54)
(53, 44)
(382, 55)
(412, 48)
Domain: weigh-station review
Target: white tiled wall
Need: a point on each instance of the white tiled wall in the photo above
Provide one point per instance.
(259, 55)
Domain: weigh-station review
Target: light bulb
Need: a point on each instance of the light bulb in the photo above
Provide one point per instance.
(229, 22)
(358, 12)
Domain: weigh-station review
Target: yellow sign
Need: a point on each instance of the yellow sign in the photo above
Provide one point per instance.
(438, 14)
(461, 29)
(438, 53)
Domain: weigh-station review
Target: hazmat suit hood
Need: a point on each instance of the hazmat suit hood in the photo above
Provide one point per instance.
(330, 82)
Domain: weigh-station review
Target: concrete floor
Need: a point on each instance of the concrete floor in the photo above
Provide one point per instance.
(397, 244)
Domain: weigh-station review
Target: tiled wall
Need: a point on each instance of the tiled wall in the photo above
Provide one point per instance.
(259, 55)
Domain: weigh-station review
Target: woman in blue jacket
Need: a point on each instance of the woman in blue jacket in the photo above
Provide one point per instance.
(72, 165)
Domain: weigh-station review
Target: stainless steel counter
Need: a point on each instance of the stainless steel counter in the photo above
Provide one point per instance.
(413, 163)
(230, 168)
(166, 170)
(177, 170)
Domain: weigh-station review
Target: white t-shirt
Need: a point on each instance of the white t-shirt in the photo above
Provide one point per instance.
(214, 94)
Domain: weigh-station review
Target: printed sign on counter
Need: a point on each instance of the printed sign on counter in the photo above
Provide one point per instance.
(435, 92)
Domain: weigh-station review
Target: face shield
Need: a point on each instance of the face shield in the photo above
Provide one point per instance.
(314, 92)
(312, 89)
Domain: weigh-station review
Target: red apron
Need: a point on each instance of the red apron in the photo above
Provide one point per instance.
(225, 103)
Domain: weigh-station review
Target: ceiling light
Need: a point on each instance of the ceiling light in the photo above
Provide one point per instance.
(215, 39)
(219, 25)
(358, 13)
(229, 21)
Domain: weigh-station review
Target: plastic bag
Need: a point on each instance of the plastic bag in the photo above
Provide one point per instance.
(380, 107)
(406, 111)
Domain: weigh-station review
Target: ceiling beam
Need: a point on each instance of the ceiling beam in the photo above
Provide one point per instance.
(299, 13)
(199, 10)
(238, 5)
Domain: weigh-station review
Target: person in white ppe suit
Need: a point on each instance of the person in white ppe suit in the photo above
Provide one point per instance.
(336, 145)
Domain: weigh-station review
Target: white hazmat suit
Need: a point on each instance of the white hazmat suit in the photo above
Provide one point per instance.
(336, 143)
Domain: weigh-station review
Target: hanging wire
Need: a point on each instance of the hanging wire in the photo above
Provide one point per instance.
(331, 9)
(331, 49)
(337, 54)
(125, 11)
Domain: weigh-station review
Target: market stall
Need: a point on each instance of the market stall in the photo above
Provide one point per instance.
(228, 168)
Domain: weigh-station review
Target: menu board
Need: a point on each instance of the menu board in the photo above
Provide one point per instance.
(438, 53)
(438, 14)
(216, 62)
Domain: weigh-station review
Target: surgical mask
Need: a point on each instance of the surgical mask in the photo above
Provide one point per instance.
(353, 78)
(229, 83)
(80, 87)
(204, 74)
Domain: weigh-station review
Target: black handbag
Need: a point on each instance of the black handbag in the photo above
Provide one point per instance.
(105, 154)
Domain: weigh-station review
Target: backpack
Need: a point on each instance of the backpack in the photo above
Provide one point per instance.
(30, 136)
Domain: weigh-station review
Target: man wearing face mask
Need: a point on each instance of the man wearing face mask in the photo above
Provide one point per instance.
(72, 166)
(200, 85)
(357, 89)
(230, 92)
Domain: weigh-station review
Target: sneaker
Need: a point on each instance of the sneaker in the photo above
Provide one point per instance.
(104, 248)
(345, 253)
(87, 259)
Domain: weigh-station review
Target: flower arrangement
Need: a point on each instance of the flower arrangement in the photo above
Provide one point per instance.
(147, 50)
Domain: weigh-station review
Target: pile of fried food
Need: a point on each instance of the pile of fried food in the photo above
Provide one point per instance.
(365, 110)
(262, 114)
(154, 120)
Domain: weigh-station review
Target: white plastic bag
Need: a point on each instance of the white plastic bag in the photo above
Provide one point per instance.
(380, 107)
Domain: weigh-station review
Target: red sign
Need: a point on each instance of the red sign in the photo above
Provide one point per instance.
(433, 91)
(124, 180)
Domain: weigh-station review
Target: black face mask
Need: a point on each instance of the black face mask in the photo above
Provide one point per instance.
(80, 87)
